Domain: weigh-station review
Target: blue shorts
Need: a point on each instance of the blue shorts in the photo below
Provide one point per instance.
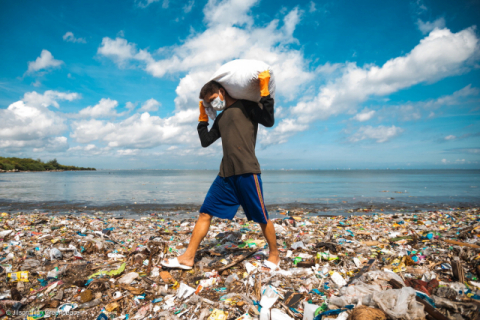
(227, 194)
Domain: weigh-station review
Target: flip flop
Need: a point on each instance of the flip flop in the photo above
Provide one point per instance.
(174, 264)
(272, 266)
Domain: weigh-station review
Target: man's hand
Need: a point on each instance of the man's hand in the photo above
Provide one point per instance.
(203, 115)
(264, 79)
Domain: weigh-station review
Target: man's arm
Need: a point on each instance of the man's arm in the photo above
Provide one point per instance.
(207, 137)
(265, 115)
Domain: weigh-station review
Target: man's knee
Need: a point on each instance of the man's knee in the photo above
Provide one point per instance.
(204, 216)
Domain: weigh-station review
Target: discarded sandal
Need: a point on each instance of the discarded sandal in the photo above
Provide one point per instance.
(174, 264)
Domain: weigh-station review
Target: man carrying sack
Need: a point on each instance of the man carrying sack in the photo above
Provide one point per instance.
(238, 182)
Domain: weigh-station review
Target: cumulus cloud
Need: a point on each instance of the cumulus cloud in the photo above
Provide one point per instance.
(139, 131)
(426, 27)
(28, 124)
(365, 115)
(440, 54)
(379, 134)
(48, 98)
(150, 105)
(104, 108)
(69, 37)
(237, 37)
(45, 61)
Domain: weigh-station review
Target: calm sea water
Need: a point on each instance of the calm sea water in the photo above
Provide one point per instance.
(350, 188)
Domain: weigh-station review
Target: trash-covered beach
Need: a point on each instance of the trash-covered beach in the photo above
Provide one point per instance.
(404, 265)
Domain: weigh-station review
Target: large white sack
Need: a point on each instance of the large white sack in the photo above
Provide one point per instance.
(240, 78)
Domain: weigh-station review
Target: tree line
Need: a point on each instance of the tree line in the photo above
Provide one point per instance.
(27, 164)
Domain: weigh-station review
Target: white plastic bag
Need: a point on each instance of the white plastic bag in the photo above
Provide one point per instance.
(240, 78)
(309, 310)
(128, 278)
(269, 297)
(399, 303)
(276, 314)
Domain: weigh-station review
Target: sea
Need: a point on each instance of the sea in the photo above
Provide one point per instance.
(322, 191)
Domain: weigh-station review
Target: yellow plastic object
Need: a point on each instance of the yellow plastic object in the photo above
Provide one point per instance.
(20, 276)
(203, 115)
(264, 79)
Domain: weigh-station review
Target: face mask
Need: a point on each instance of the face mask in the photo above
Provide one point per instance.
(218, 104)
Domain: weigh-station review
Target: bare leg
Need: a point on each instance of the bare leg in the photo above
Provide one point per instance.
(199, 232)
(269, 233)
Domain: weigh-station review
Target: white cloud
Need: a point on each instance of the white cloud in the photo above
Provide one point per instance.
(440, 54)
(48, 98)
(69, 37)
(139, 131)
(150, 105)
(118, 50)
(127, 152)
(450, 137)
(269, 42)
(188, 7)
(380, 133)
(444, 161)
(28, 123)
(130, 105)
(311, 7)
(104, 108)
(45, 61)
(365, 115)
(426, 27)
(228, 12)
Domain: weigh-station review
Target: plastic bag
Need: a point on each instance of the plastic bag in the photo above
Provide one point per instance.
(269, 297)
(276, 314)
(399, 303)
(240, 78)
(309, 310)
(360, 293)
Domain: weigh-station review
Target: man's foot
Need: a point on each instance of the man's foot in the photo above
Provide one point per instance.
(274, 258)
(186, 261)
(272, 264)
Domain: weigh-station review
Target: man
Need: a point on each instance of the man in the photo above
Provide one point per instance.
(238, 182)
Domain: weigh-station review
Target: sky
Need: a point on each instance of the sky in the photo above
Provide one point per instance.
(360, 84)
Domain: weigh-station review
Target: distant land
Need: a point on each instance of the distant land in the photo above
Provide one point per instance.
(27, 164)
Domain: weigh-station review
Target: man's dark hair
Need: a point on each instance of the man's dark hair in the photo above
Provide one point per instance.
(210, 88)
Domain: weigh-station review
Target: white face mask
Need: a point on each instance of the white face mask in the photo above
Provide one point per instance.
(218, 104)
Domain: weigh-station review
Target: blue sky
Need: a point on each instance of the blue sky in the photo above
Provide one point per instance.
(377, 84)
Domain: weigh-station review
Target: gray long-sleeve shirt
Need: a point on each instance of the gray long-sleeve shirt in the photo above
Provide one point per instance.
(237, 125)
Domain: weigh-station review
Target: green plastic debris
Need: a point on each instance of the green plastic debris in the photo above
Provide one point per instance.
(110, 273)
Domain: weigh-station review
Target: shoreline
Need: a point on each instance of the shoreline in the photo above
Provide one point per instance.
(189, 210)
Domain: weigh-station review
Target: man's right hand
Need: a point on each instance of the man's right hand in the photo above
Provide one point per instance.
(203, 115)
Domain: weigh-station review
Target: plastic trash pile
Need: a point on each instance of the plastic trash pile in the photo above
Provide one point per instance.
(423, 265)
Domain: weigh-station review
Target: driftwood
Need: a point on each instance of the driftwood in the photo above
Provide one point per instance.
(457, 271)
(237, 260)
(463, 244)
